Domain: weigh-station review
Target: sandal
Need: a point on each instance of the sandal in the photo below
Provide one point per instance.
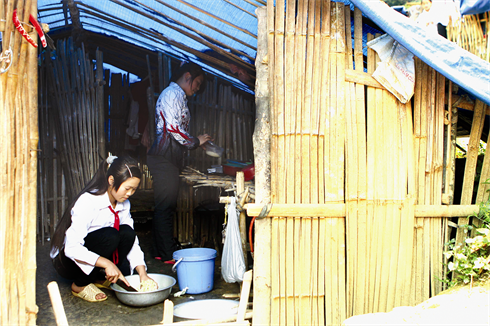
(89, 293)
(105, 285)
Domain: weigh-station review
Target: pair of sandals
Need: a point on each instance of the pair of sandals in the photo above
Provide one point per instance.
(90, 292)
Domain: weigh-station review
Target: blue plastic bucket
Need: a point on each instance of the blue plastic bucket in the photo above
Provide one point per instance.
(195, 269)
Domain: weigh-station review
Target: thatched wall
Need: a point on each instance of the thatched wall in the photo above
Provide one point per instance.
(19, 139)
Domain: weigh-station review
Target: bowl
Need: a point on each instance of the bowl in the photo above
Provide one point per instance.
(143, 299)
(213, 150)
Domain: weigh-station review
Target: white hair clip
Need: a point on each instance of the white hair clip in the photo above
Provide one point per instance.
(110, 159)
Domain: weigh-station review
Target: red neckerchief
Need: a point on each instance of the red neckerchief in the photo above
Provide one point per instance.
(115, 256)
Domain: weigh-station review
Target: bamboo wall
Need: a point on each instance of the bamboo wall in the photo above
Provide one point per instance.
(71, 122)
(339, 138)
(19, 138)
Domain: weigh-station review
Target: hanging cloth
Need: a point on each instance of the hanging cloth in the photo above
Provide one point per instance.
(115, 256)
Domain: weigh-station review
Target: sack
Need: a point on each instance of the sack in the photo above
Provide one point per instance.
(396, 72)
(232, 261)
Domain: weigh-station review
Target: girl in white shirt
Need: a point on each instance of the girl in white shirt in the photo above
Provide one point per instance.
(95, 243)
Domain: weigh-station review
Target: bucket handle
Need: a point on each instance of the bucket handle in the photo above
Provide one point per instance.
(174, 267)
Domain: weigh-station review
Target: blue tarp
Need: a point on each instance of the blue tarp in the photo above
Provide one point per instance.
(473, 7)
(456, 64)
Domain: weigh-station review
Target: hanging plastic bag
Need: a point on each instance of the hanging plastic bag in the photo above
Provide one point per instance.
(232, 261)
(396, 71)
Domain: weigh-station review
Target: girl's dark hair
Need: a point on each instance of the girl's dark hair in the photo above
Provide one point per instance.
(195, 71)
(122, 168)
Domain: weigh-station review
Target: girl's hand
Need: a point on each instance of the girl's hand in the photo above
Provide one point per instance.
(112, 272)
(144, 276)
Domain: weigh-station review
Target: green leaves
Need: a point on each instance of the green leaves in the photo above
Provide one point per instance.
(470, 261)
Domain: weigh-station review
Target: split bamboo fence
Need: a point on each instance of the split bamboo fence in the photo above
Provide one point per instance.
(471, 33)
(357, 179)
(19, 136)
(71, 122)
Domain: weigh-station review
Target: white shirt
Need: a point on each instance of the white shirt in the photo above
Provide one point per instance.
(91, 213)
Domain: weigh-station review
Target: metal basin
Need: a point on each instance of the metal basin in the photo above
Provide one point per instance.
(207, 309)
(143, 299)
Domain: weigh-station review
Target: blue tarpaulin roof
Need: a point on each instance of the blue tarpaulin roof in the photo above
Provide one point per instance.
(175, 27)
(473, 7)
(458, 65)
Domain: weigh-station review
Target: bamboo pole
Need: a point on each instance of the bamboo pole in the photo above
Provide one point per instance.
(299, 54)
(279, 302)
(323, 283)
(290, 114)
(371, 176)
(57, 303)
(470, 166)
(305, 307)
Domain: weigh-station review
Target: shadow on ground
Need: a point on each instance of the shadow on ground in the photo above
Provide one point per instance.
(112, 311)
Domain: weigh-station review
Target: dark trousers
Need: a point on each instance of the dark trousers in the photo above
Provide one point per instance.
(103, 242)
(166, 183)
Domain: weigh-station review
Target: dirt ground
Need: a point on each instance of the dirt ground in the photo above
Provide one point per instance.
(112, 311)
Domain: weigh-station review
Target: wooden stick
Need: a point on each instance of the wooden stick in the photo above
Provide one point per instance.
(207, 25)
(244, 296)
(57, 303)
(240, 8)
(217, 18)
(202, 40)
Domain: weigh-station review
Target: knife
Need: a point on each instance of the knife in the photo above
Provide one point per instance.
(125, 287)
